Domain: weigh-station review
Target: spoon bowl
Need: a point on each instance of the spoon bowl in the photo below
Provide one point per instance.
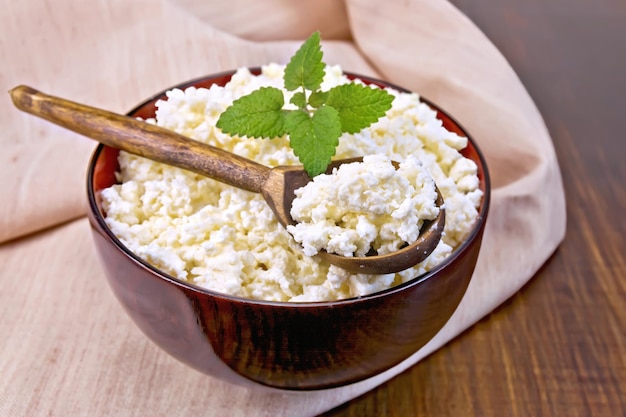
(277, 185)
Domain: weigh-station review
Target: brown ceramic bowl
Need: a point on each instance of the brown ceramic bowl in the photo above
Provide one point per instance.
(294, 346)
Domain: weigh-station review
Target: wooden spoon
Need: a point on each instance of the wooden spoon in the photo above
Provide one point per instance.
(277, 185)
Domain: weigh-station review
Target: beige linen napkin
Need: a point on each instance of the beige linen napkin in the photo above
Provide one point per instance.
(66, 346)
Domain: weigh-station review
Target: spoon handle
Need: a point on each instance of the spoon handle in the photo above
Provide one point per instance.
(143, 139)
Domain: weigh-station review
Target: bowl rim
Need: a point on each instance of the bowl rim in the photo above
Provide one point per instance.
(477, 228)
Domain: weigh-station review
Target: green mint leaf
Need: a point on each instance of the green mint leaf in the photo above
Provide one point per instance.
(299, 99)
(318, 98)
(314, 139)
(259, 115)
(316, 126)
(358, 106)
(306, 69)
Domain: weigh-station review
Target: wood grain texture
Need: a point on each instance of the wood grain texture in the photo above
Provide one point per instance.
(145, 139)
(557, 348)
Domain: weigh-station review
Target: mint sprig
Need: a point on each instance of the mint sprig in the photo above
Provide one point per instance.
(321, 117)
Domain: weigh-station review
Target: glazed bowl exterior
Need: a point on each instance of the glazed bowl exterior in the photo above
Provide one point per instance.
(292, 346)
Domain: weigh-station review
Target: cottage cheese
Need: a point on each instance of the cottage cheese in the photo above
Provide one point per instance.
(226, 239)
(364, 205)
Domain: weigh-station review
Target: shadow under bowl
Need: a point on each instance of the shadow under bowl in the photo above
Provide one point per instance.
(291, 346)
